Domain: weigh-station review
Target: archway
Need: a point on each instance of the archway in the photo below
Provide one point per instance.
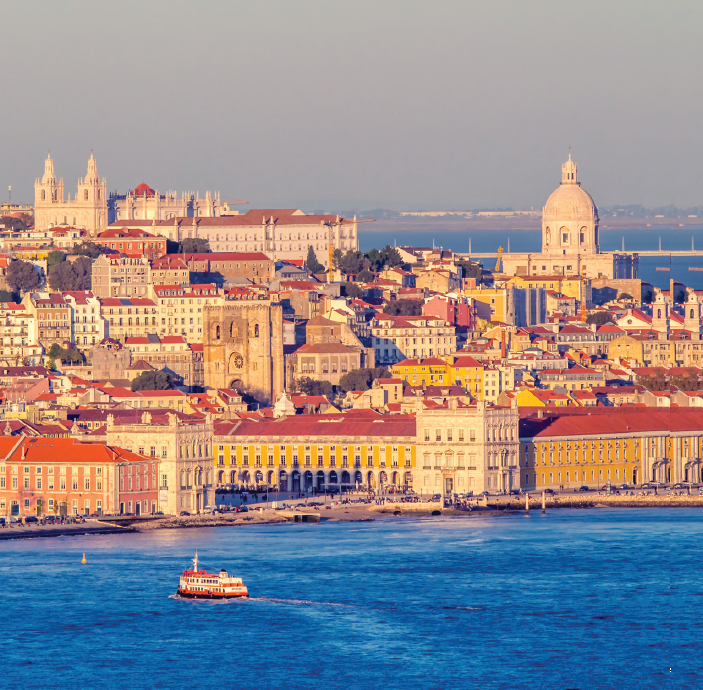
(358, 478)
(221, 477)
(259, 477)
(345, 478)
(308, 479)
(382, 478)
(320, 481)
(408, 480)
(333, 477)
(296, 481)
(634, 475)
(394, 479)
(233, 476)
(370, 480)
(283, 481)
(236, 385)
(271, 478)
(246, 478)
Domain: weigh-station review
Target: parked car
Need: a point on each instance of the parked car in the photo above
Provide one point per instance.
(31, 520)
(549, 491)
(50, 519)
(583, 488)
(485, 493)
(184, 513)
(679, 485)
(515, 492)
(624, 486)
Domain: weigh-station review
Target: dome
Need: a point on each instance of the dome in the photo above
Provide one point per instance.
(570, 202)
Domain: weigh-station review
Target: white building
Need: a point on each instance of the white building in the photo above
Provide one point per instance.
(570, 240)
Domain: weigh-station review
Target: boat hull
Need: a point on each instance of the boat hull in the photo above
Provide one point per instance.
(206, 595)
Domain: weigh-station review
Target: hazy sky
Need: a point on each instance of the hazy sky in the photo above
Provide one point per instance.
(339, 103)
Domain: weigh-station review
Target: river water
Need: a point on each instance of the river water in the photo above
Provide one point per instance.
(599, 598)
(635, 239)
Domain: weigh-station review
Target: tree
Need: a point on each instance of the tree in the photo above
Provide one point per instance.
(6, 296)
(308, 386)
(68, 355)
(71, 275)
(22, 276)
(626, 295)
(403, 307)
(471, 269)
(337, 257)
(54, 259)
(391, 256)
(89, 249)
(364, 276)
(656, 381)
(687, 382)
(194, 245)
(600, 318)
(153, 381)
(312, 263)
(351, 262)
(361, 379)
(354, 291)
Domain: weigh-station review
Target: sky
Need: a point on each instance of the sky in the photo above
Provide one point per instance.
(321, 104)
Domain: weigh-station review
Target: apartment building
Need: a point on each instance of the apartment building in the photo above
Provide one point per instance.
(114, 276)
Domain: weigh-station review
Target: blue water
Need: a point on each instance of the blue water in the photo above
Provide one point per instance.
(641, 239)
(577, 599)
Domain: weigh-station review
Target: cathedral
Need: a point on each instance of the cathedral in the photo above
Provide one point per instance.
(570, 241)
(87, 210)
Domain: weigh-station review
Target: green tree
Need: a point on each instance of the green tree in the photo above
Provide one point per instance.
(351, 262)
(51, 364)
(22, 276)
(71, 275)
(365, 276)
(391, 256)
(54, 259)
(362, 379)
(6, 296)
(626, 295)
(312, 263)
(308, 386)
(153, 381)
(89, 249)
(354, 291)
(471, 269)
(403, 307)
(687, 382)
(194, 245)
(68, 355)
(337, 257)
(656, 381)
(599, 318)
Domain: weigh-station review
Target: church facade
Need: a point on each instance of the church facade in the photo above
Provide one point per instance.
(87, 210)
(570, 238)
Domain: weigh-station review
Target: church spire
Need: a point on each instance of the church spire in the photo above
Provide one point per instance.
(569, 171)
(92, 175)
(48, 170)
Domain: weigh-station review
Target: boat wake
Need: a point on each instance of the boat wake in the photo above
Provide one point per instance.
(299, 602)
(268, 600)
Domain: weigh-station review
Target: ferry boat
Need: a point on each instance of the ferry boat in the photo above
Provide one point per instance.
(199, 584)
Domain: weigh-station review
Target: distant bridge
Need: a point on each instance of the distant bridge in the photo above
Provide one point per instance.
(656, 252)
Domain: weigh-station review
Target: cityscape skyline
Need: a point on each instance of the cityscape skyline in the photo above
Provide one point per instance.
(414, 107)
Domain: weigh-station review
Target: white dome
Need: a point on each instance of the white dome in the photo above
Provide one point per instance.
(570, 202)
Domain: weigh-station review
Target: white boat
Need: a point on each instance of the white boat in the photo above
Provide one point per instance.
(199, 584)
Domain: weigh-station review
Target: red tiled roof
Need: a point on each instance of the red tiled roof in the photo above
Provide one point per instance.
(328, 425)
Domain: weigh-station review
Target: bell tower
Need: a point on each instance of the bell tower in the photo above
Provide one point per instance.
(91, 199)
(48, 195)
(569, 172)
(692, 314)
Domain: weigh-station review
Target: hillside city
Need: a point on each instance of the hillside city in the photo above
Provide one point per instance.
(158, 350)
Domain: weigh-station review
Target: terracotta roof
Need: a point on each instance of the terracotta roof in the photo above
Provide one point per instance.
(328, 425)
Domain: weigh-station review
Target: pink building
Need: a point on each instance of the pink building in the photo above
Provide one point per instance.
(456, 311)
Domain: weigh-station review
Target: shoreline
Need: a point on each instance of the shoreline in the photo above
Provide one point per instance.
(354, 513)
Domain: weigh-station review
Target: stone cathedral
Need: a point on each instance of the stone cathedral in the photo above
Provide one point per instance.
(243, 347)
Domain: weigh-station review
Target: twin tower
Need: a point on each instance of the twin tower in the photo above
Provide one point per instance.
(87, 210)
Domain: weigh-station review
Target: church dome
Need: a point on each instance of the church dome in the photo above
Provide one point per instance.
(569, 201)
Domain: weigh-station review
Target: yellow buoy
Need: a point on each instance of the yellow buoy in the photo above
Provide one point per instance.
(83, 561)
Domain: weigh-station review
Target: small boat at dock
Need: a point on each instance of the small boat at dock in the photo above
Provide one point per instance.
(199, 584)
